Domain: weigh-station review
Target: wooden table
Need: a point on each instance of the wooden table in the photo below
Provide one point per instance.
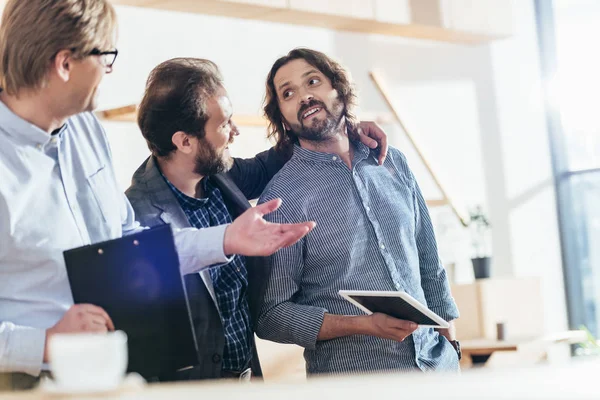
(476, 352)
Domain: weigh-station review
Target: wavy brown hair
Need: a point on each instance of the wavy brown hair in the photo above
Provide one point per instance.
(340, 80)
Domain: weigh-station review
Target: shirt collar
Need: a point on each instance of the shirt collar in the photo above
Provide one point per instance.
(361, 152)
(22, 130)
(191, 203)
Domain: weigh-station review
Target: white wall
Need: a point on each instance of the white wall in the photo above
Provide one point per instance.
(476, 109)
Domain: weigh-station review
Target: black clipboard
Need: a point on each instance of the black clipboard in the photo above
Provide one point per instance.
(137, 280)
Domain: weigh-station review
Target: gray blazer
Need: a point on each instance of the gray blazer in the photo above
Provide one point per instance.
(155, 204)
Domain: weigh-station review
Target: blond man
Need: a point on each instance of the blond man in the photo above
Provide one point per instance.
(58, 188)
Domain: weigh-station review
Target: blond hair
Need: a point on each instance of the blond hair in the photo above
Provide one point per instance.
(32, 32)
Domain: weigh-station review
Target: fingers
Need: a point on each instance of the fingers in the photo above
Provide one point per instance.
(95, 324)
(98, 312)
(367, 141)
(401, 324)
(268, 207)
(285, 235)
(371, 133)
(383, 150)
(292, 236)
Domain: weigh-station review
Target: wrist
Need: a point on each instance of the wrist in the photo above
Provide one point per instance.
(46, 357)
(362, 325)
(227, 242)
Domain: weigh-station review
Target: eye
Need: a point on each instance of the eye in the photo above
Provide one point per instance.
(226, 124)
(314, 81)
(287, 94)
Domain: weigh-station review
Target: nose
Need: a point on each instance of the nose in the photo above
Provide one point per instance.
(234, 130)
(306, 97)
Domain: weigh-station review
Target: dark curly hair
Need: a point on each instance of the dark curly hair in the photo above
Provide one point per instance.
(340, 80)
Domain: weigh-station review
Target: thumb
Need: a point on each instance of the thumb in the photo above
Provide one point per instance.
(268, 207)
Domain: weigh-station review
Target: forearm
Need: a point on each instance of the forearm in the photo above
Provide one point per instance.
(252, 175)
(21, 348)
(437, 292)
(200, 248)
(335, 326)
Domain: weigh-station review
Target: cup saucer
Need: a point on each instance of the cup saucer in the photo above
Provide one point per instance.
(132, 381)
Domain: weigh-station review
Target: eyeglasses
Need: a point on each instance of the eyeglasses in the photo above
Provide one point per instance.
(107, 58)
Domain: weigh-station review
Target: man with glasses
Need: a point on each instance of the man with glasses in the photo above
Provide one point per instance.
(58, 188)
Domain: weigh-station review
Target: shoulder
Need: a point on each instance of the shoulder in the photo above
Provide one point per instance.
(84, 128)
(397, 160)
(145, 212)
(287, 182)
(86, 124)
(139, 191)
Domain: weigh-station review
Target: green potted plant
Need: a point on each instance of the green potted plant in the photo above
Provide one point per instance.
(480, 230)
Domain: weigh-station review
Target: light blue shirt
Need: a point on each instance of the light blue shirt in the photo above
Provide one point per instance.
(373, 233)
(58, 192)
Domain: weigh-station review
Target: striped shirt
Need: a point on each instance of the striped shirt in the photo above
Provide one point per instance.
(373, 233)
(230, 281)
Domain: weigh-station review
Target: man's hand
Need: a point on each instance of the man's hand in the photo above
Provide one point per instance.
(80, 318)
(372, 136)
(449, 333)
(386, 327)
(251, 235)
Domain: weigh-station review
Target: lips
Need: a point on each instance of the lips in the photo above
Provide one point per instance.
(311, 111)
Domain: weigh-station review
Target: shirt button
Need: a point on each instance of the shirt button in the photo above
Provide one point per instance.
(238, 270)
(382, 246)
(53, 140)
(39, 146)
(368, 208)
(216, 358)
(334, 158)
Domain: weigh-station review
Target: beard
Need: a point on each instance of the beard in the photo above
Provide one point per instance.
(320, 130)
(209, 161)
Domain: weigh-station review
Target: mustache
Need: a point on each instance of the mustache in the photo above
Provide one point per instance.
(308, 105)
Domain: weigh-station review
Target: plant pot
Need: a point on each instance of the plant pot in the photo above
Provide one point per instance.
(481, 267)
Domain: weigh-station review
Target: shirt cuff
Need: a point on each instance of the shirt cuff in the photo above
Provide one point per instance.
(306, 326)
(199, 249)
(24, 350)
(447, 310)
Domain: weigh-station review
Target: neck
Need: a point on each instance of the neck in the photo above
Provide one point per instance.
(36, 108)
(338, 144)
(180, 174)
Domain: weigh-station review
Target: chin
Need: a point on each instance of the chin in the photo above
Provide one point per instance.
(227, 161)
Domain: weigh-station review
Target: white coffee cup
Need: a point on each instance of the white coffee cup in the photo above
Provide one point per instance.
(88, 362)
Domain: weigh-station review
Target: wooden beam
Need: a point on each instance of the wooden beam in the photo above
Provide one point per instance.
(379, 83)
(280, 12)
(128, 113)
(125, 113)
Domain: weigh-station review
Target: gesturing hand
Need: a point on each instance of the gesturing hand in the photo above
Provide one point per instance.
(251, 235)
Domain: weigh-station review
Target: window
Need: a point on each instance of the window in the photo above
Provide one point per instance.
(570, 66)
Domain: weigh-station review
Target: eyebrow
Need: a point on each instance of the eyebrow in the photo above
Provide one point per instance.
(311, 71)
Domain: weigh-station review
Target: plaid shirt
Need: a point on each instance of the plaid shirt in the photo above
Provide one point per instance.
(230, 281)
